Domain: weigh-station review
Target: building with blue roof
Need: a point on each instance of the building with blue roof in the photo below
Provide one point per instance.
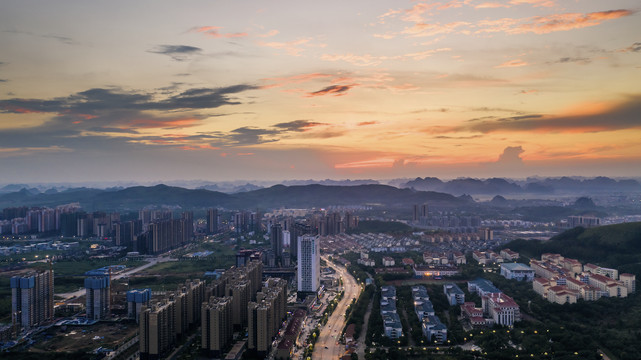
(434, 329)
(392, 325)
(482, 287)
(517, 271)
(454, 294)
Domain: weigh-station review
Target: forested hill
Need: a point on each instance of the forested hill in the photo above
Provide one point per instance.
(617, 246)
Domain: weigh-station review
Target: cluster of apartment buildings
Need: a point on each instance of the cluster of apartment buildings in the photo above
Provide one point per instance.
(433, 329)
(563, 280)
(489, 256)
(32, 302)
(21, 220)
(164, 321)
(496, 307)
(391, 320)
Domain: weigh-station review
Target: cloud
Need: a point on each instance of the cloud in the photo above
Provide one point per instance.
(371, 60)
(250, 136)
(295, 79)
(432, 29)
(335, 90)
(115, 114)
(511, 156)
(491, 5)
(535, 3)
(294, 47)
(550, 23)
(622, 115)
(358, 60)
(213, 32)
(365, 123)
(298, 125)
(636, 47)
(63, 39)
(578, 60)
(29, 151)
(268, 34)
(176, 52)
(370, 163)
(512, 63)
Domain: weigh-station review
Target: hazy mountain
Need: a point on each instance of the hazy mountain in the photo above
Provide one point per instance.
(494, 186)
(274, 197)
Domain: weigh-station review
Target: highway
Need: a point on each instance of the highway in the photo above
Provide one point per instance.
(152, 262)
(327, 346)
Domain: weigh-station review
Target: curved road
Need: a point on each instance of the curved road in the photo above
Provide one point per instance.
(327, 346)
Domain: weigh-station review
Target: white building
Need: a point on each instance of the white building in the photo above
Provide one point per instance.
(308, 263)
(517, 271)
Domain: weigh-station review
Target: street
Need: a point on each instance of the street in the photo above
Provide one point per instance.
(327, 346)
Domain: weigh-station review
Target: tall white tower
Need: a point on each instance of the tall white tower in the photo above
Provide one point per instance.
(308, 263)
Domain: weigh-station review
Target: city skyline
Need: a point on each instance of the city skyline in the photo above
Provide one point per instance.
(161, 91)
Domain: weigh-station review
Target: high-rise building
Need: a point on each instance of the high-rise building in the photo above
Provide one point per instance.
(240, 296)
(157, 334)
(212, 221)
(308, 264)
(216, 325)
(265, 315)
(98, 297)
(136, 299)
(277, 242)
(32, 299)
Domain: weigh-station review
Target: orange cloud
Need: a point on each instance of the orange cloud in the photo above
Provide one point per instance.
(335, 90)
(293, 48)
(269, 34)
(156, 123)
(209, 147)
(365, 123)
(512, 63)
(569, 21)
(536, 3)
(296, 79)
(491, 5)
(426, 29)
(551, 23)
(378, 163)
(212, 31)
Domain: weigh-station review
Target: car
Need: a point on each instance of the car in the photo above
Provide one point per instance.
(325, 347)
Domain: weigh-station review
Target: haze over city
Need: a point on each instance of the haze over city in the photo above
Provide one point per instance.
(224, 90)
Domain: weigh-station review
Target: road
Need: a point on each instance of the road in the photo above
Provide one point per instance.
(152, 262)
(327, 346)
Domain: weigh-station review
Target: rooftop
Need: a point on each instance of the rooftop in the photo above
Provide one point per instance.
(516, 267)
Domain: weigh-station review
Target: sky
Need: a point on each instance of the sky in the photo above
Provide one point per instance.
(273, 90)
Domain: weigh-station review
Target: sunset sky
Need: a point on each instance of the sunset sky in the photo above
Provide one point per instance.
(267, 90)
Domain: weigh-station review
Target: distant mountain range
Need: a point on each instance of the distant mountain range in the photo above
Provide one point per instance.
(470, 186)
(494, 186)
(133, 198)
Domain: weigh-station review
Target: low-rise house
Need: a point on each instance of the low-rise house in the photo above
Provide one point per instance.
(454, 294)
(517, 271)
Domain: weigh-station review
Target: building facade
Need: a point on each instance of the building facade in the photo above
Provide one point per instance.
(32, 299)
(308, 264)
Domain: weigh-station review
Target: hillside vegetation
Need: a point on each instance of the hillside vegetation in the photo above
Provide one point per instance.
(617, 246)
